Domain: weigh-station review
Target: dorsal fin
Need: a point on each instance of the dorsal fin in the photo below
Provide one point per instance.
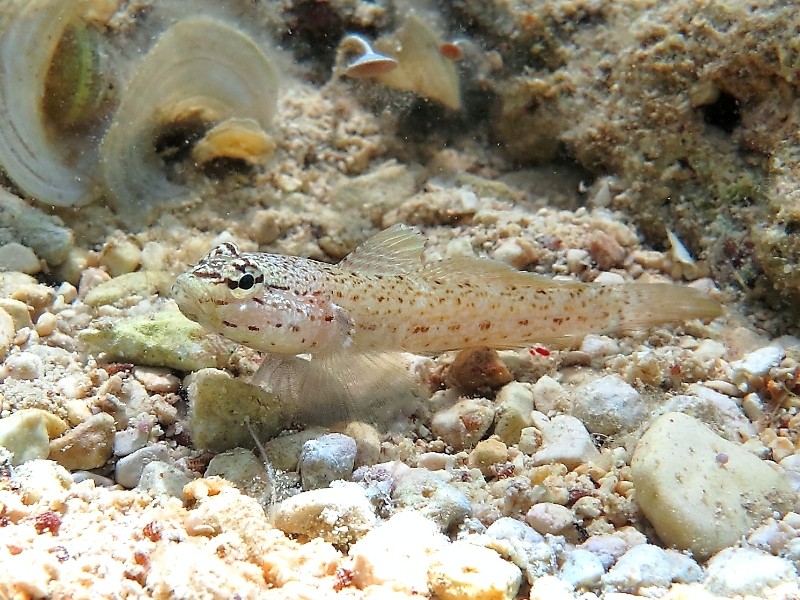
(395, 250)
(460, 267)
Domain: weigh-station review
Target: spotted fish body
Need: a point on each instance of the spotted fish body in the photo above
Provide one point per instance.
(384, 298)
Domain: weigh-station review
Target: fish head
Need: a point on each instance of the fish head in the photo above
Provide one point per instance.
(265, 301)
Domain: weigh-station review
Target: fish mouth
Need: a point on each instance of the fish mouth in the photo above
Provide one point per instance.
(186, 297)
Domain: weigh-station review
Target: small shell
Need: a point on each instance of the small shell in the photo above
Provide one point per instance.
(55, 84)
(201, 72)
(422, 67)
(235, 139)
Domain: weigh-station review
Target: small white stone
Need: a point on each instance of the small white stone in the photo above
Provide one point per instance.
(130, 440)
(397, 554)
(339, 514)
(547, 517)
(436, 461)
(609, 406)
(564, 440)
(432, 497)
(449, 424)
(599, 346)
(760, 361)
(19, 258)
(326, 459)
(530, 440)
(27, 434)
(607, 277)
(157, 381)
(582, 568)
(243, 469)
(607, 547)
(160, 478)
(23, 365)
(514, 405)
(465, 571)
(640, 567)
(524, 546)
(129, 468)
(46, 324)
(551, 588)
(549, 396)
(747, 572)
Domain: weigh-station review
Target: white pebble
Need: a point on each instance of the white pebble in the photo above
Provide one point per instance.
(747, 572)
(599, 346)
(523, 546)
(46, 324)
(449, 423)
(326, 459)
(432, 497)
(609, 406)
(582, 569)
(19, 258)
(7, 333)
(547, 517)
(129, 468)
(24, 365)
(564, 440)
(760, 361)
(398, 553)
(162, 479)
(640, 567)
(131, 439)
(339, 514)
(724, 490)
(549, 396)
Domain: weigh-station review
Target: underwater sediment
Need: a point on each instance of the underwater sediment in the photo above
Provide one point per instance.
(587, 141)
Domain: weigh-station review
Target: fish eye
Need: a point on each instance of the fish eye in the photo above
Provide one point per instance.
(243, 284)
(246, 281)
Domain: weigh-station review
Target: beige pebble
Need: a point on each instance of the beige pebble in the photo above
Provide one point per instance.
(701, 492)
(7, 333)
(368, 443)
(19, 312)
(46, 324)
(514, 405)
(466, 571)
(339, 515)
(156, 380)
(87, 446)
(397, 554)
(463, 424)
(71, 270)
(486, 455)
(120, 256)
(27, 433)
(530, 440)
(36, 296)
(547, 517)
(16, 257)
(22, 365)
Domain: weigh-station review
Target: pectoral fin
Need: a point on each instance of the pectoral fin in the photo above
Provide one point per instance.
(373, 387)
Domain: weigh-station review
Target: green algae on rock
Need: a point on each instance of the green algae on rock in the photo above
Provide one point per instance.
(164, 339)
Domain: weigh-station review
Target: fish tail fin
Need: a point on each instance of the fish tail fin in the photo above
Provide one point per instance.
(654, 303)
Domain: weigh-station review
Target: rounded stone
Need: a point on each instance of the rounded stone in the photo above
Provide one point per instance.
(463, 424)
(486, 455)
(701, 492)
(325, 459)
(464, 571)
(89, 445)
(609, 406)
(339, 514)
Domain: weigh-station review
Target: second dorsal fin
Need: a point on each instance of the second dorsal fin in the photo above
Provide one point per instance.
(395, 250)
